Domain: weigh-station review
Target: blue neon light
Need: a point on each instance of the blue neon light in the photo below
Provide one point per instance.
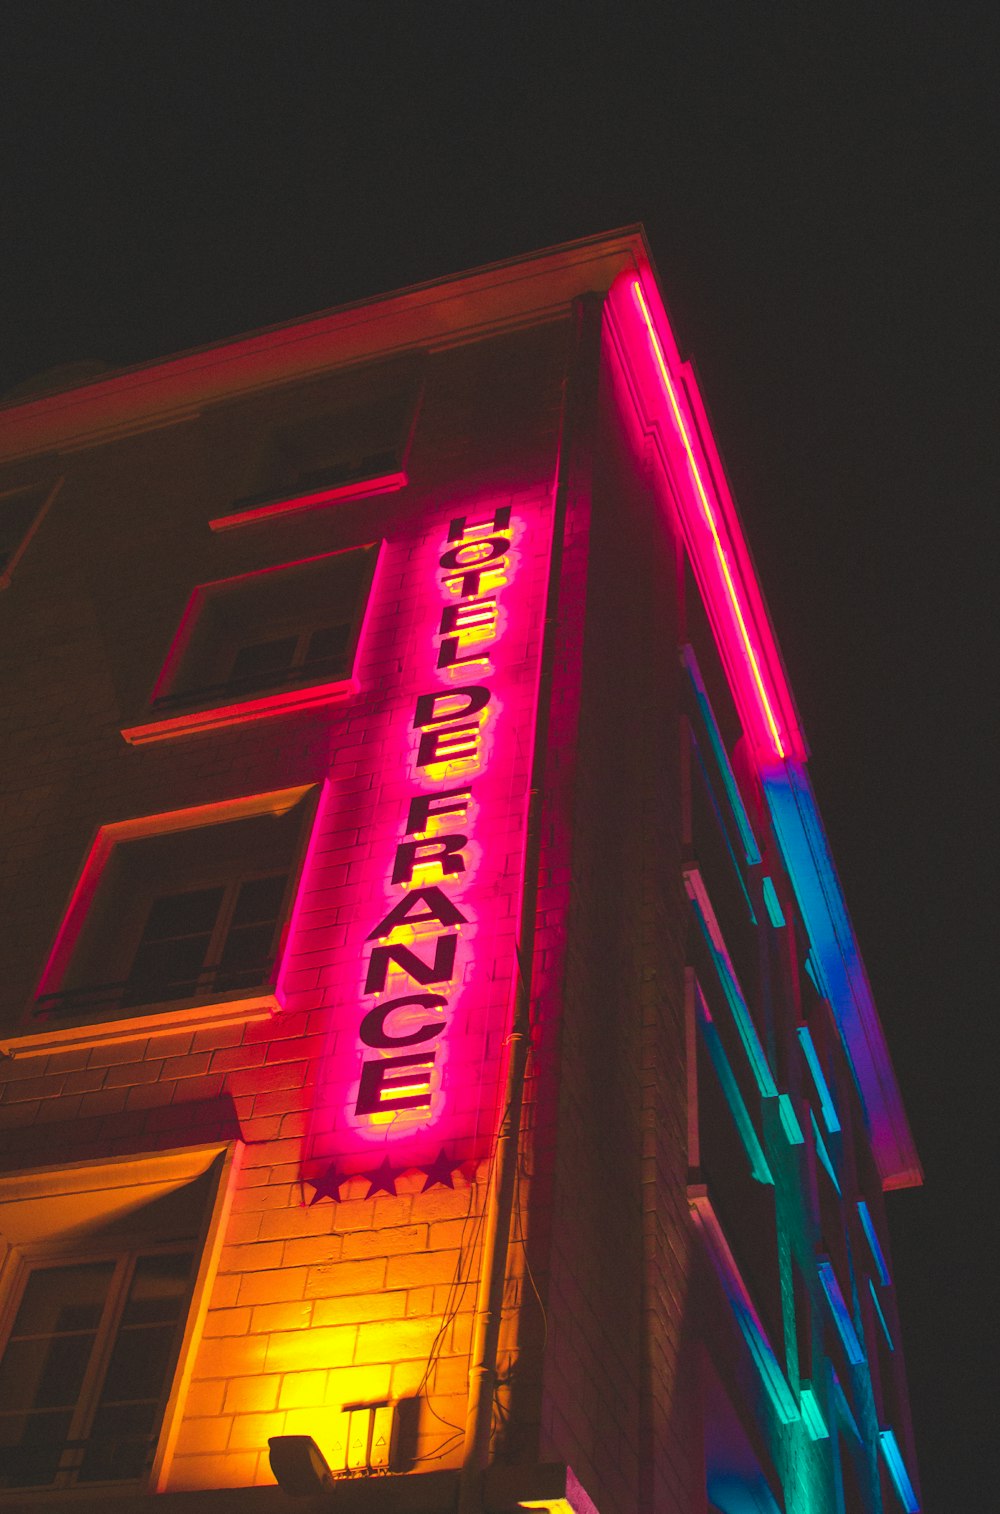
(874, 1244)
(826, 1104)
(841, 1314)
(771, 903)
(836, 967)
(823, 1154)
(750, 847)
(881, 1316)
(897, 1469)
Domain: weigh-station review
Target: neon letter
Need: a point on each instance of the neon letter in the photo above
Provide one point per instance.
(426, 805)
(488, 551)
(448, 655)
(438, 971)
(374, 1033)
(426, 712)
(375, 1095)
(439, 907)
(462, 526)
(441, 851)
(447, 746)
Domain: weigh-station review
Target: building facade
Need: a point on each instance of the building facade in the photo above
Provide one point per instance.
(438, 1068)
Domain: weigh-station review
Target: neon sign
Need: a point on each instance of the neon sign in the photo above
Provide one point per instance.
(422, 979)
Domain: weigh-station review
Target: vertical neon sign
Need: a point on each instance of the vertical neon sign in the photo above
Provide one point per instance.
(419, 987)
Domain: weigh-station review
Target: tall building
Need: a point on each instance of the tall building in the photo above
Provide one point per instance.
(439, 1071)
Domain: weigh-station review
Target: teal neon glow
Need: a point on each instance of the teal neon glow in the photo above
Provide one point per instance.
(790, 1121)
(730, 985)
(881, 1316)
(874, 1244)
(768, 1365)
(826, 1104)
(750, 847)
(812, 1414)
(823, 1154)
(759, 1169)
(772, 904)
(724, 831)
(897, 1471)
(841, 1314)
(738, 1296)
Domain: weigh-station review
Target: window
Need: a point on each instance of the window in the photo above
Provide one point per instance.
(355, 442)
(266, 643)
(734, 1167)
(104, 1284)
(209, 939)
(21, 512)
(87, 1365)
(178, 918)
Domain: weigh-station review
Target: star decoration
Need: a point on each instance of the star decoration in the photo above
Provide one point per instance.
(327, 1185)
(439, 1171)
(382, 1180)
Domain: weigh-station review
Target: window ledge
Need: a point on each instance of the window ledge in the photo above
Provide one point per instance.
(385, 483)
(285, 702)
(155, 1019)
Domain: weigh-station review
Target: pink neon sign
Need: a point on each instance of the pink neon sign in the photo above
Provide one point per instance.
(416, 878)
(671, 409)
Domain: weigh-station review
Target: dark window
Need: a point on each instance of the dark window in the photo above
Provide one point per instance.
(20, 512)
(286, 628)
(209, 940)
(361, 435)
(189, 913)
(87, 1367)
(734, 1169)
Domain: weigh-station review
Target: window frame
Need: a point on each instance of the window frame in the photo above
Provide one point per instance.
(88, 1401)
(308, 694)
(45, 493)
(36, 1203)
(34, 1036)
(404, 387)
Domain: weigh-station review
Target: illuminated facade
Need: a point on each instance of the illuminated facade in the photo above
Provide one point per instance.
(432, 1024)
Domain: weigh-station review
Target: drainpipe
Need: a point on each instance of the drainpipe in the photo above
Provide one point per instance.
(584, 356)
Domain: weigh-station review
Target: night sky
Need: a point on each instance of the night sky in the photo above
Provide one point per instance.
(816, 184)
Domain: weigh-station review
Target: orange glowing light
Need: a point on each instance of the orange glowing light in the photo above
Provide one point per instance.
(711, 522)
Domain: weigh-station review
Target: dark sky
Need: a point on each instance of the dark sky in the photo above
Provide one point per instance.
(816, 184)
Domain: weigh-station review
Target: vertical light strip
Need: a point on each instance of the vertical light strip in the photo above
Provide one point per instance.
(742, 1305)
(705, 915)
(826, 1104)
(881, 1316)
(823, 1154)
(841, 1314)
(709, 514)
(759, 1169)
(874, 1244)
(774, 911)
(897, 1468)
(812, 1414)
